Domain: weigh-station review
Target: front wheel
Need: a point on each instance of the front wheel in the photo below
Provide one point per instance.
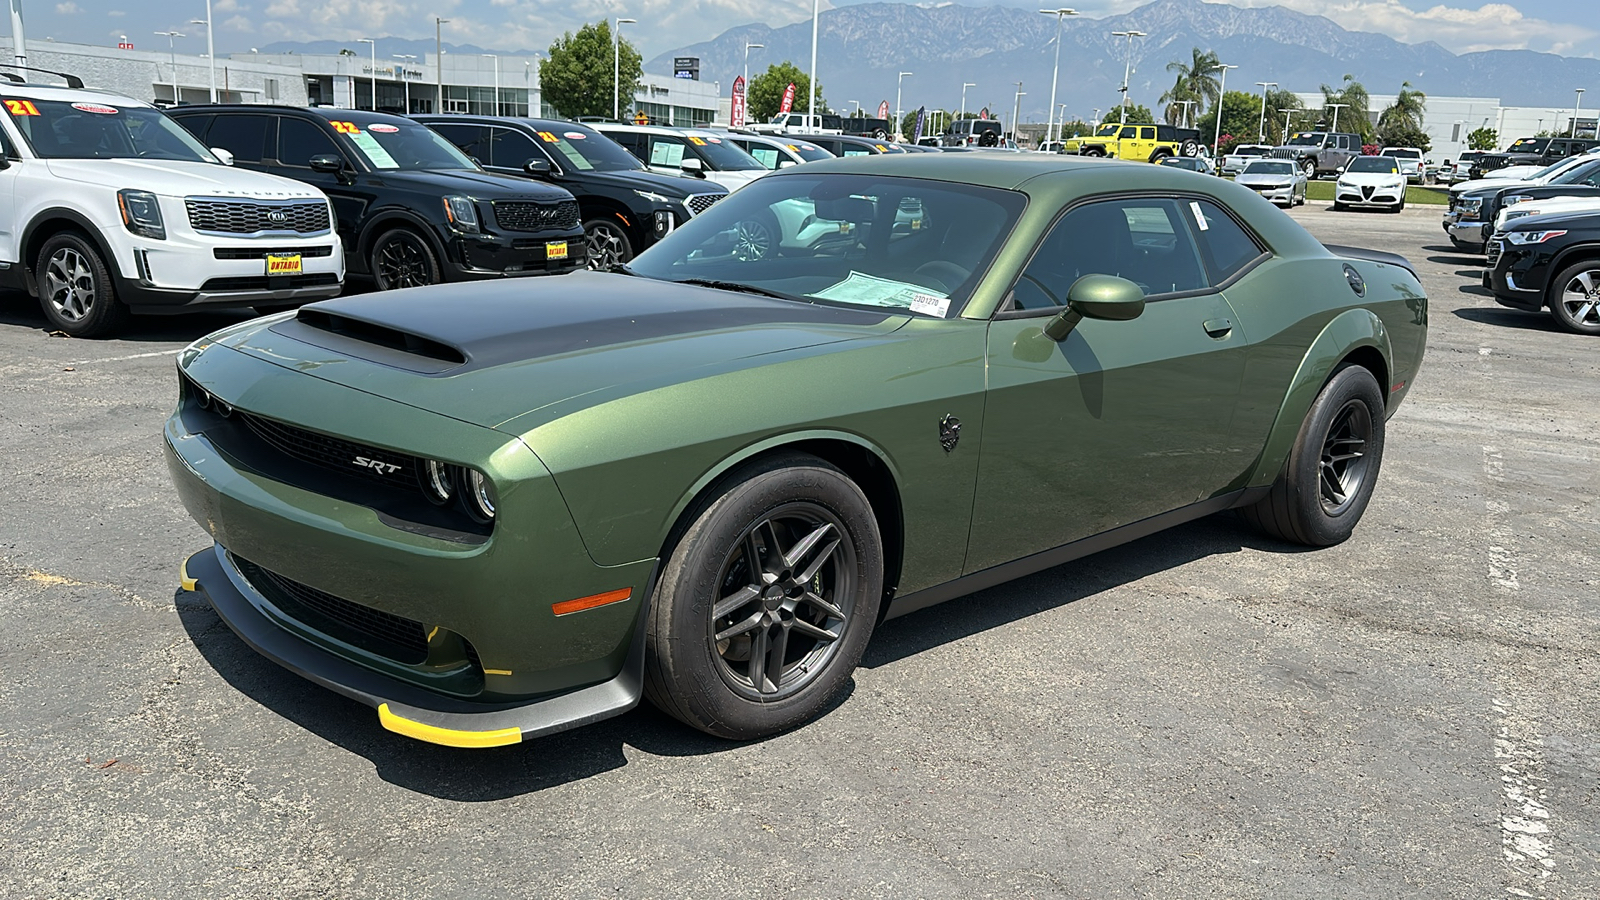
(1324, 488)
(401, 258)
(75, 288)
(1575, 298)
(767, 602)
(609, 246)
(1309, 166)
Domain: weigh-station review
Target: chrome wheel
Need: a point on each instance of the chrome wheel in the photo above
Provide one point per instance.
(1343, 467)
(1580, 298)
(69, 284)
(787, 591)
(608, 246)
(752, 240)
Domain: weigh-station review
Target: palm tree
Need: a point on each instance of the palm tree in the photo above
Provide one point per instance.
(1196, 78)
(1407, 109)
(1174, 102)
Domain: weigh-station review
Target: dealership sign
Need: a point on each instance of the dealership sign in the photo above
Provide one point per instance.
(736, 117)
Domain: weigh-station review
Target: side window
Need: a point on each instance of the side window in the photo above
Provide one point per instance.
(629, 141)
(243, 136)
(1128, 133)
(1225, 246)
(511, 149)
(1143, 240)
(665, 151)
(195, 125)
(469, 139)
(1147, 133)
(299, 140)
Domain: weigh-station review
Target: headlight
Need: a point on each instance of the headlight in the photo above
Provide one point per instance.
(480, 496)
(1514, 199)
(653, 197)
(1532, 237)
(1472, 203)
(438, 482)
(141, 213)
(462, 213)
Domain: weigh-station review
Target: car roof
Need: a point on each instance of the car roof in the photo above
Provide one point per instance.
(326, 113)
(53, 92)
(639, 129)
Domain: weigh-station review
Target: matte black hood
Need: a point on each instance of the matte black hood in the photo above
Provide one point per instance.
(476, 184)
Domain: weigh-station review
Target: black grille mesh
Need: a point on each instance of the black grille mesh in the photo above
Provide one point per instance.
(263, 253)
(516, 215)
(247, 217)
(699, 203)
(335, 453)
(386, 634)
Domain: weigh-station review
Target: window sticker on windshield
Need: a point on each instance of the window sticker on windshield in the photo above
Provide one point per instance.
(549, 138)
(373, 151)
(345, 127)
(21, 108)
(666, 153)
(577, 160)
(1199, 217)
(95, 108)
(574, 135)
(697, 141)
(382, 128)
(869, 290)
(715, 140)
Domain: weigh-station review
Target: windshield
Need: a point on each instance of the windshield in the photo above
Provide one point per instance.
(585, 149)
(1306, 140)
(1401, 153)
(1109, 129)
(407, 145)
(1549, 170)
(1270, 168)
(859, 240)
(1528, 145)
(809, 152)
(1579, 174)
(722, 156)
(58, 129)
(1381, 164)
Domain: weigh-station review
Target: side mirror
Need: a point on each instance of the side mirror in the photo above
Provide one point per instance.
(1096, 297)
(692, 166)
(1341, 169)
(785, 163)
(225, 156)
(538, 168)
(327, 163)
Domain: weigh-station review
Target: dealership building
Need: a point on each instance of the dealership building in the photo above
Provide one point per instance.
(484, 84)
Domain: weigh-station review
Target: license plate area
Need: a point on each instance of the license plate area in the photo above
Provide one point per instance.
(281, 264)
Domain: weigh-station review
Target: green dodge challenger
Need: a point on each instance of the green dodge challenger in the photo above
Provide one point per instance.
(851, 390)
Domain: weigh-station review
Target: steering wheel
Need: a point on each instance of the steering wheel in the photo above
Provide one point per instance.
(945, 275)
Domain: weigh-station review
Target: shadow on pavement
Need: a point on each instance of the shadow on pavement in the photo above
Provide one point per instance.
(1510, 318)
(21, 310)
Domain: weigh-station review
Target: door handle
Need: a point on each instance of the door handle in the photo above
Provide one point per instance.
(1218, 327)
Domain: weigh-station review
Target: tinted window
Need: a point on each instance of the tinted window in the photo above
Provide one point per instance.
(57, 129)
(767, 156)
(580, 148)
(473, 140)
(722, 155)
(1224, 244)
(1383, 165)
(1147, 133)
(243, 136)
(511, 149)
(299, 140)
(1143, 240)
(197, 125)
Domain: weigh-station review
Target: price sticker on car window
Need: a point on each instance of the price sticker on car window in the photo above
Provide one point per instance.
(549, 138)
(1199, 217)
(697, 142)
(21, 108)
(345, 127)
(929, 304)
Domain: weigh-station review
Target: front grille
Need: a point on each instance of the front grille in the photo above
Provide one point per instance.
(699, 203)
(517, 215)
(1495, 248)
(335, 453)
(275, 283)
(385, 634)
(253, 253)
(1283, 153)
(253, 217)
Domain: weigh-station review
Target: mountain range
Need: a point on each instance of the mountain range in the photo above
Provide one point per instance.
(863, 47)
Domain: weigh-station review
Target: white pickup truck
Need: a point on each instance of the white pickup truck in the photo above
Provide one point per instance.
(798, 123)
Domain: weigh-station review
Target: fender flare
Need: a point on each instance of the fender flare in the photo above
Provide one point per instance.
(1347, 332)
(89, 229)
(385, 218)
(1590, 250)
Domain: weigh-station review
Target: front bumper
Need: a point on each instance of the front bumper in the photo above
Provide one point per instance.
(1510, 272)
(1284, 194)
(186, 271)
(476, 257)
(1350, 195)
(1470, 232)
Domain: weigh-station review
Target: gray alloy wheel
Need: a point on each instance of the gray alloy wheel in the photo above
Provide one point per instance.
(609, 246)
(1309, 166)
(1575, 298)
(755, 239)
(75, 288)
(401, 258)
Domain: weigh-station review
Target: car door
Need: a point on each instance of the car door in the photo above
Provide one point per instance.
(1121, 420)
(298, 140)
(242, 134)
(10, 251)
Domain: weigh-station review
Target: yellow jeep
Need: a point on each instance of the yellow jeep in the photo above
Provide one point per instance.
(1144, 142)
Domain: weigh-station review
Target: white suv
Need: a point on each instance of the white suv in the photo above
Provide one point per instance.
(108, 207)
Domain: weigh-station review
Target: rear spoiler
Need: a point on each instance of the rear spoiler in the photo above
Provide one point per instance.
(1377, 256)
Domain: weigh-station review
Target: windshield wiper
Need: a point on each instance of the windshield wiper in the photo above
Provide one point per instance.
(739, 286)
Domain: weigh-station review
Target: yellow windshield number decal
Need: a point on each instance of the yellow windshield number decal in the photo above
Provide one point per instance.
(697, 141)
(21, 108)
(345, 127)
(549, 138)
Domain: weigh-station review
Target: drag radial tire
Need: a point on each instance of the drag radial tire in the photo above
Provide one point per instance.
(767, 600)
(1324, 487)
(75, 287)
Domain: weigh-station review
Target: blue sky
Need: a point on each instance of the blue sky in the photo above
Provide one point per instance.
(1562, 26)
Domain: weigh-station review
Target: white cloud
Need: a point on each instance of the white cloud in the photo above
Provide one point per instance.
(68, 9)
(1491, 26)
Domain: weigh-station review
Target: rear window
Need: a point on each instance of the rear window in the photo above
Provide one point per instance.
(1401, 153)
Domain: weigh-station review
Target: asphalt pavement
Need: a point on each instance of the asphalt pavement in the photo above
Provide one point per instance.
(1203, 713)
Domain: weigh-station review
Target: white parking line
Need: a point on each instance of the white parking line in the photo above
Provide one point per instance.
(110, 359)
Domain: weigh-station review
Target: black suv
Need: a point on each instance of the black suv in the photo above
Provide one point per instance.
(1550, 262)
(1530, 151)
(625, 207)
(411, 208)
(847, 145)
(1582, 180)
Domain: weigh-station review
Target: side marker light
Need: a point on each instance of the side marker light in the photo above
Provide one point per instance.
(567, 607)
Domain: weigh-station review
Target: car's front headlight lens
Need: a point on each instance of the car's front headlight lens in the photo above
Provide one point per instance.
(462, 213)
(1532, 237)
(438, 482)
(480, 496)
(141, 213)
(1514, 199)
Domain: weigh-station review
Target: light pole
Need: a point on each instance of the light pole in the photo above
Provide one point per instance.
(1575, 105)
(1127, 65)
(405, 85)
(374, 45)
(211, 57)
(1286, 114)
(1016, 109)
(813, 123)
(438, 61)
(496, 81)
(747, 48)
(1055, 74)
(1261, 131)
(1336, 107)
(964, 86)
(1222, 94)
(855, 113)
(616, 68)
(899, 115)
(1185, 104)
(169, 35)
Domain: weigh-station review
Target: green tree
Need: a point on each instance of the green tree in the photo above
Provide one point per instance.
(1178, 103)
(937, 122)
(1482, 139)
(1406, 110)
(1279, 99)
(1240, 117)
(765, 91)
(1197, 80)
(1354, 117)
(1135, 114)
(577, 75)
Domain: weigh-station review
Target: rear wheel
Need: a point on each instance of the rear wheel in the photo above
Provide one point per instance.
(767, 602)
(1325, 486)
(401, 258)
(75, 288)
(1575, 298)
